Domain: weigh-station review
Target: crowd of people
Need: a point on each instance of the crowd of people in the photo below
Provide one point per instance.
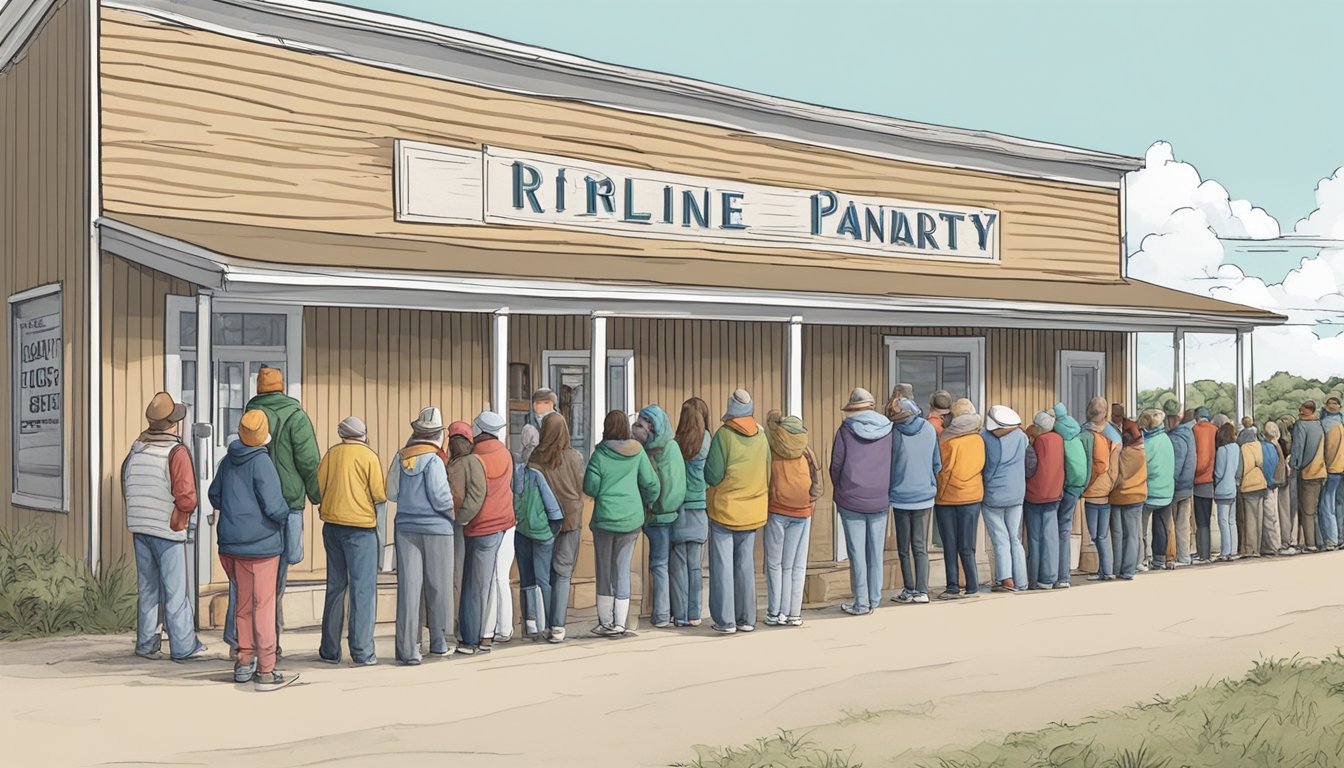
(467, 508)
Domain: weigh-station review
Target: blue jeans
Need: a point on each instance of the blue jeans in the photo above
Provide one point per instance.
(732, 576)
(1329, 512)
(534, 570)
(564, 553)
(1010, 561)
(686, 581)
(1099, 528)
(1162, 531)
(1067, 506)
(660, 542)
(478, 575)
(912, 544)
(231, 631)
(352, 562)
(785, 564)
(1131, 537)
(161, 579)
(865, 540)
(1227, 527)
(957, 526)
(1042, 542)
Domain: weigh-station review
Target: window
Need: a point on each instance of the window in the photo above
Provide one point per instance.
(37, 366)
(567, 374)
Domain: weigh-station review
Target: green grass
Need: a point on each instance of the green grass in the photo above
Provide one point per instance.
(45, 592)
(1284, 712)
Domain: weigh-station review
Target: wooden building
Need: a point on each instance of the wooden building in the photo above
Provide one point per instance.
(400, 214)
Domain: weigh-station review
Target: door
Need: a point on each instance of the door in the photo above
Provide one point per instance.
(1082, 376)
(567, 374)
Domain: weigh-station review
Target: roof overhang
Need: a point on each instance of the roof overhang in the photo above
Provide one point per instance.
(231, 277)
(19, 21)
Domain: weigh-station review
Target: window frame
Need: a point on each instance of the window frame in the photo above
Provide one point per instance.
(626, 357)
(17, 498)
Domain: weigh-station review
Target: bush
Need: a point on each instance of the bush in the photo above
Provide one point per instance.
(1275, 397)
(44, 591)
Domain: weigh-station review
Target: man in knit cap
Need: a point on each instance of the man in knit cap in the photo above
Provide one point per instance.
(350, 479)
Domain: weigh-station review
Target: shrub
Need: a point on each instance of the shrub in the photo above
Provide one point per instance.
(44, 591)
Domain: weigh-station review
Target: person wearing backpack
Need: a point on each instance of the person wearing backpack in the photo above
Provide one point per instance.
(795, 486)
(562, 467)
(1103, 463)
(653, 430)
(537, 518)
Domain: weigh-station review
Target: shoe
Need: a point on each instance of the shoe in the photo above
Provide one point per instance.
(1142, 568)
(557, 635)
(1042, 587)
(949, 595)
(530, 628)
(1096, 577)
(1125, 578)
(1288, 551)
(746, 627)
(1177, 564)
(195, 653)
(1109, 578)
(503, 638)
(325, 660)
(794, 621)
(1062, 585)
(415, 662)
(1311, 550)
(445, 652)
(694, 622)
(274, 681)
(921, 598)
(773, 620)
(245, 674)
(725, 630)
(905, 597)
(853, 611)
(372, 661)
(1170, 566)
(466, 650)
(602, 630)
(485, 646)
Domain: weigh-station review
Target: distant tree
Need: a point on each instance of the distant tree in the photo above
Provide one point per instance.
(1275, 397)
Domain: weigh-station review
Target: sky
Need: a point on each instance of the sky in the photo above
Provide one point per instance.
(1234, 103)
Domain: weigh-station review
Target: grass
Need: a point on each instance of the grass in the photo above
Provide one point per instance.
(1284, 712)
(45, 592)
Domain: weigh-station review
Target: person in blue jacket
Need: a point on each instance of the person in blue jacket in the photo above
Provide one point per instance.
(915, 464)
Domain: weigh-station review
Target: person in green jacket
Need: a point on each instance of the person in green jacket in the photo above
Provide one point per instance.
(653, 429)
(1075, 479)
(538, 516)
(1161, 457)
(621, 480)
(296, 456)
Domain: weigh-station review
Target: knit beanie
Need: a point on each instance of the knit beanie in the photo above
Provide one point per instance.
(352, 428)
(1044, 421)
(739, 405)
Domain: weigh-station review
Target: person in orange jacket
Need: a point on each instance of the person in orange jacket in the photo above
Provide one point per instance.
(961, 491)
(1205, 450)
(795, 486)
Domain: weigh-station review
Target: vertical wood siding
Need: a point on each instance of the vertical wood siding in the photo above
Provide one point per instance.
(44, 237)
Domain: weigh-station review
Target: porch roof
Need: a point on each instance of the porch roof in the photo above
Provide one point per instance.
(240, 261)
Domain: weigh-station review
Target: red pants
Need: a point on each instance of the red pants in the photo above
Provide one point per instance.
(255, 580)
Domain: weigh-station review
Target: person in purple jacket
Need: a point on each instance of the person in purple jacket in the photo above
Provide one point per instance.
(861, 479)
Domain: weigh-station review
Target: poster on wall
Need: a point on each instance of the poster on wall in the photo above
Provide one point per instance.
(38, 406)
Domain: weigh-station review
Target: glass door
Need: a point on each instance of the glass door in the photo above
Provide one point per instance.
(567, 373)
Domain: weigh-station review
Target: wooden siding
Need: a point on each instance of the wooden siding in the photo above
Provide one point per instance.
(198, 125)
(44, 237)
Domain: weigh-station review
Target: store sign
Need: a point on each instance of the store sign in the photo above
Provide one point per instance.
(38, 404)
(503, 187)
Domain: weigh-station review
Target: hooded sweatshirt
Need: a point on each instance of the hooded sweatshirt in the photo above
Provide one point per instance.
(1005, 467)
(1183, 458)
(665, 454)
(695, 476)
(961, 479)
(915, 464)
(497, 510)
(293, 447)
(622, 481)
(1309, 448)
(1251, 470)
(1275, 467)
(1103, 462)
(252, 509)
(1205, 446)
(1131, 477)
(795, 476)
(534, 505)
(1332, 423)
(1161, 467)
(738, 474)
(1226, 468)
(861, 463)
(1045, 463)
(466, 479)
(418, 482)
(1076, 470)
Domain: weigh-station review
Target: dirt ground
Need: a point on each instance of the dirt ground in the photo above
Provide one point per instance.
(905, 677)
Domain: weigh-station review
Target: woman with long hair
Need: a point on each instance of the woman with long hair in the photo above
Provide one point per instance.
(1226, 466)
(691, 528)
(562, 466)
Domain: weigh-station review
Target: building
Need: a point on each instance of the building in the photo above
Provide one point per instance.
(398, 214)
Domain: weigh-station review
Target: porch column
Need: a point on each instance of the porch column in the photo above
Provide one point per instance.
(794, 384)
(1132, 374)
(1178, 352)
(597, 376)
(1242, 385)
(202, 441)
(499, 362)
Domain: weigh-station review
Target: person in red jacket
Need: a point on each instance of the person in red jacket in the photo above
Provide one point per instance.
(1045, 489)
(1205, 450)
(485, 532)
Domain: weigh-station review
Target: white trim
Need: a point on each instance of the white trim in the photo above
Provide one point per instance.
(794, 380)
(17, 498)
(1067, 358)
(1239, 401)
(499, 362)
(34, 293)
(203, 404)
(973, 346)
(19, 22)
(1132, 374)
(94, 286)
(1124, 232)
(1178, 365)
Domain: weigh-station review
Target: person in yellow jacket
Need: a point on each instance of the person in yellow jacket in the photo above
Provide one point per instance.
(1127, 497)
(1253, 487)
(350, 479)
(961, 490)
(1330, 518)
(737, 477)
(1307, 459)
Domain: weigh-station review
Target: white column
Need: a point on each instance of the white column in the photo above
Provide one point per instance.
(94, 287)
(1132, 374)
(1241, 376)
(1178, 353)
(499, 362)
(1250, 367)
(202, 447)
(597, 378)
(794, 382)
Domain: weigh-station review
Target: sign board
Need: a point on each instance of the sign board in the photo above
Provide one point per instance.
(495, 186)
(37, 348)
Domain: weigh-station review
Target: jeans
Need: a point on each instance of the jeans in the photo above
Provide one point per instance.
(281, 580)
(1067, 506)
(912, 543)
(1117, 538)
(352, 563)
(732, 576)
(1146, 537)
(161, 579)
(1043, 543)
(478, 578)
(1254, 504)
(660, 542)
(256, 579)
(686, 581)
(1099, 528)
(534, 570)
(1308, 498)
(1203, 532)
(563, 555)
(424, 583)
(786, 540)
(1183, 510)
(957, 524)
(1131, 537)
(865, 539)
(1010, 561)
(1162, 531)
(1227, 528)
(1328, 513)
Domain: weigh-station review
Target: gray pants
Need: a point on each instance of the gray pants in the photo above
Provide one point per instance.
(424, 569)
(732, 577)
(1146, 538)
(563, 557)
(1271, 541)
(1182, 511)
(1254, 504)
(612, 555)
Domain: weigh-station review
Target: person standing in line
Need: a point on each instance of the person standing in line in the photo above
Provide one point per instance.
(485, 535)
(252, 510)
(1103, 463)
(350, 479)
(466, 480)
(1005, 475)
(417, 481)
(158, 484)
(961, 490)
(1226, 467)
(1330, 517)
(1289, 524)
(1077, 472)
(1308, 460)
(1273, 537)
(1205, 435)
(1127, 499)
(537, 517)
(915, 464)
(1184, 460)
(653, 430)
(1045, 490)
(623, 483)
(562, 467)
(940, 410)
(795, 486)
(1161, 455)
(544, 403)
(499, 605)
(860, 485)
(691, 529)
(738, 473)
(1252, 489)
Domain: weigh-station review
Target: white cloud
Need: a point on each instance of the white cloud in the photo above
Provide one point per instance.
(1166, 185)
(1327, 220)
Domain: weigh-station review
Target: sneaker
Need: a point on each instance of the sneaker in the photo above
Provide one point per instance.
(1095, 577)
(1288, 551)
(557, 635)
(1142, 568)
(1004, 587)
(1042, 587)
(448, 651)
(694, 622)
(852, 610)
(949, 595)
(195, 653)
(1177, 564)
(415, 662)
(372, 661)
(244, 674)
(746, 627)
(325, 660)
(503, 638)
(904, 597)
(530, 628)
(1125, 578)
(725, 630)
(1109, 578)
(1170, 566)
(662, 625)
(794, 621)
(1312, 550)
(921, 599)
(485, 646)
(773, 620)
(1062, 585)
(602, 630)
(466, 650)
(274, 681)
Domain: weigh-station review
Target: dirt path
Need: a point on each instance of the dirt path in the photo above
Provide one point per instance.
(907, 677)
